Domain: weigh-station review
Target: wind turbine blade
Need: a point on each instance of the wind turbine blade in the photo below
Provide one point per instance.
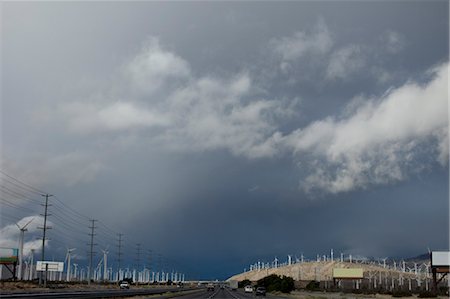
(28, 223)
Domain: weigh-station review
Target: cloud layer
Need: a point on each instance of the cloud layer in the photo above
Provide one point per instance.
(379, 141)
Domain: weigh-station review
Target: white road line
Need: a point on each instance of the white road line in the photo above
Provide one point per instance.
(214, 294)
(232, 294)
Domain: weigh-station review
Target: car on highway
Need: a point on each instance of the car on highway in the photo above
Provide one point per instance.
(260, 291)
(124, 285)
(210, 287)
(248, 289)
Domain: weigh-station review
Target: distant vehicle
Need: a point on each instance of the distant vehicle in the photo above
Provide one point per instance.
(210, 287)
(234, 285)
(248, 289)
(260, 291)
(124, 284)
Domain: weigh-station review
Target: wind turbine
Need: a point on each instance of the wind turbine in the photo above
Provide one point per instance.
(105, 263)
(22, 229)
(68, 256)
(384, 262)
(31, 264)
(75, 272)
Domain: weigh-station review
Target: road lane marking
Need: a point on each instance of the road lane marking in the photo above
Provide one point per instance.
(232, 294)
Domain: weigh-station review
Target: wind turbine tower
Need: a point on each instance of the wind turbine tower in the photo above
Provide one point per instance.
(105, 266)
(32, 265)
(68, 256)
(22, 229)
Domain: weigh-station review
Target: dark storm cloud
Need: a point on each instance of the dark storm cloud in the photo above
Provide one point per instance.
(219, 133)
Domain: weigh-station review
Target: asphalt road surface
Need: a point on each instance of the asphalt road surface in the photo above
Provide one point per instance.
(225, 293)
(218, 293)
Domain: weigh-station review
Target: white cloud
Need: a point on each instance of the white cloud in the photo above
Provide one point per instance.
(293, 47)
(90, 117)
(154, 66)
(213, 114)
(197, 113)
(345, 62)
(377, 144)
(9, 234)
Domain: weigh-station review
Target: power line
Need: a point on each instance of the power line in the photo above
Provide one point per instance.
(18, 195)
(33, 189)
(13, 205)
(84, 217)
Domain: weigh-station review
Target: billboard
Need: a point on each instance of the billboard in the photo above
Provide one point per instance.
(8, 255)
(52, 266)
(440, 259)
(343, 273)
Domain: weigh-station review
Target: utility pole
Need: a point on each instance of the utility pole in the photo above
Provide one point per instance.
(138, 255)
(91, 255)
(138, 258)
(119, 254)
(150, 253)
(44, 230)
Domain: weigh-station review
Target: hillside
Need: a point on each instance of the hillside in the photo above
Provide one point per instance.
(322, 270)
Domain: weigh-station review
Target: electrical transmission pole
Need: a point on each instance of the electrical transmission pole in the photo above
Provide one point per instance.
(150, 259)
(44, 230)
(91, 255)
(138, 256)
(119, 254)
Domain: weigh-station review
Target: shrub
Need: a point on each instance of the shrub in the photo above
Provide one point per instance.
(244, 283)
(427, 294)
(274, 283)
(401, 293)
(313, 286)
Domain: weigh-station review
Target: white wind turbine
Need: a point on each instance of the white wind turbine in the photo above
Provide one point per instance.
(75, 272)
(384, 262)
(68, 256)
(105, 263)
(22, 229)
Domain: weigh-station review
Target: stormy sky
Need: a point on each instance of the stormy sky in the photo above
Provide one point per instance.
(220, 133)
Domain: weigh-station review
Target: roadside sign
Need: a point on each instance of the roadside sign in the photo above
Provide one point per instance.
(52, 266)
(440, 259)
(8, 255)
(343, 273)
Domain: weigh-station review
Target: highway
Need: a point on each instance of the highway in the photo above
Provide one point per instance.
(218, 293)
(93, 294)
